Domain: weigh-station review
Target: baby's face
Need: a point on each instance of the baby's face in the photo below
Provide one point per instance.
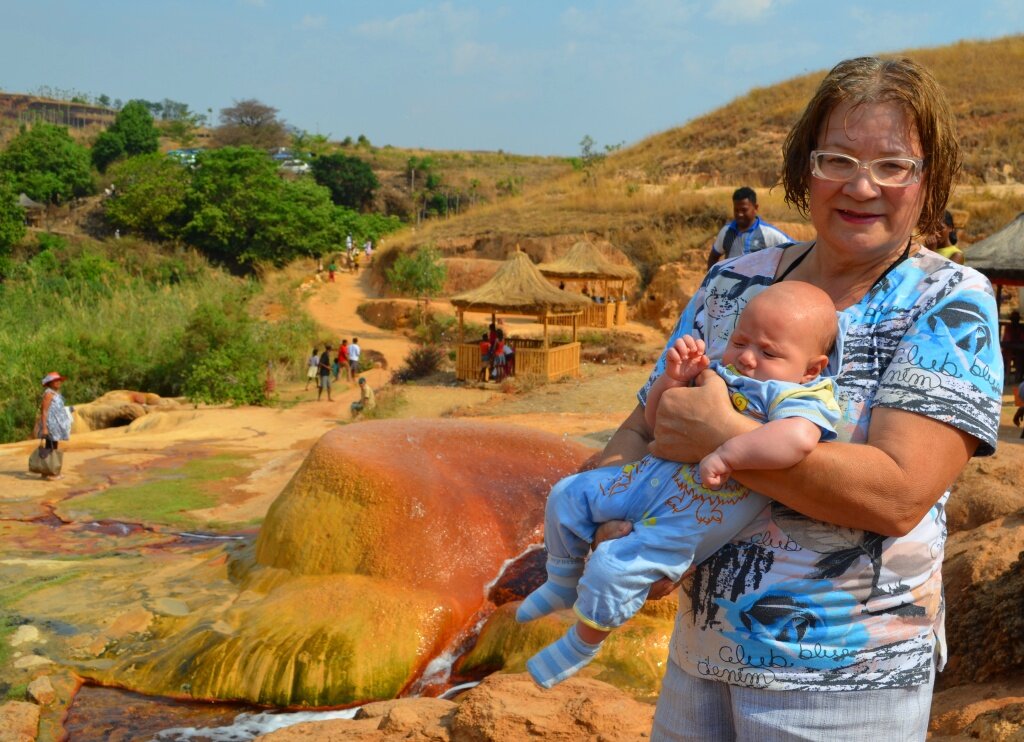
(769, 344)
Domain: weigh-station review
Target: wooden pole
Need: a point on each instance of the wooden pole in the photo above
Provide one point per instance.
(462, 331)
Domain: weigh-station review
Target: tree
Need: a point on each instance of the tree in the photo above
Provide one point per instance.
(317, 145)
(350, 180)
(12, 221)
(46, 164)
(421, 274)
(135, 123)
(241, 213)
(132, 133)
(108, 147)
(250, 123)
(172, 110)
(150, 196)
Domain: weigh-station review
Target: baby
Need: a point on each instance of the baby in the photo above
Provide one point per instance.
(682, 513)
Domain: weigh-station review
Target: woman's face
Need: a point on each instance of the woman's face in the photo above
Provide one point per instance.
(861, 219)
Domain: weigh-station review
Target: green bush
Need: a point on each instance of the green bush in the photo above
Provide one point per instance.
(105, 323)
(433, 329)
(230, 374)
(419, 274)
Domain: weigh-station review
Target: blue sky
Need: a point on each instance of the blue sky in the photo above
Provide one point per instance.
(531, 76)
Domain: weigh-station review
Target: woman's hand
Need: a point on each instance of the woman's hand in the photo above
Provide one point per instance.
(694, 421)
(619, 528)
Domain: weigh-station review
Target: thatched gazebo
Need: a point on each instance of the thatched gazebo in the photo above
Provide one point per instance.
(518, 288)
(585, 263)
(33, 210)
(1001, 255)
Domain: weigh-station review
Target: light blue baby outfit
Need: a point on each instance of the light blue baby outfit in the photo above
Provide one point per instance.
(676, 521)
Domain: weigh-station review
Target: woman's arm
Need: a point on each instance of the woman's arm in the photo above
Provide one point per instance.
(885, 485)
(44, 411)
(630, 442)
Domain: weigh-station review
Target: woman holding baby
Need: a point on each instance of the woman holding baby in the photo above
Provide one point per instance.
(823, 619)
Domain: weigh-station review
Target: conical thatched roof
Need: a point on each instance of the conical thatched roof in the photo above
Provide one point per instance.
(584, 260)
(1001, 256)
(518, 288)
(27, 203)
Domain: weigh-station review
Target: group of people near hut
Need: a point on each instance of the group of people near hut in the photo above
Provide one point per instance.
(497, 355)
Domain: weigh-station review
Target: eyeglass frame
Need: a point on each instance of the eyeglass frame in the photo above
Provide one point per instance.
(861, 165)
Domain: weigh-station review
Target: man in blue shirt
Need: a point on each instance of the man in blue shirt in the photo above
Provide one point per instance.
(747, 232)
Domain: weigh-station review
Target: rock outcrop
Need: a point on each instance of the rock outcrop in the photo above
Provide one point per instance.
(374, 557)
(118, 408)
(500, 709)
(670, 289)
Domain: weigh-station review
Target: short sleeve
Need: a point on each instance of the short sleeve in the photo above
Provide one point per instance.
(815, 402)
(948, 366)
(718, 246)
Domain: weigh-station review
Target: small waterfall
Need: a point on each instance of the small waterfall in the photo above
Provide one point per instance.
(438, 671)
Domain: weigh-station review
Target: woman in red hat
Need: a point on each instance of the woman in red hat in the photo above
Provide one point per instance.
(54, 417)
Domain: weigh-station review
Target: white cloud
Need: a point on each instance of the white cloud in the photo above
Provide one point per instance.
(444, 18)
(736, 12)
(400, 26)
(312, 22)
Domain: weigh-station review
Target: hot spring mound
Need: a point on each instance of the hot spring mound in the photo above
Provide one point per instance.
(374, 557)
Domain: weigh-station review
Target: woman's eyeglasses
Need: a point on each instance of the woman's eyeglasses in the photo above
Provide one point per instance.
(898, 172)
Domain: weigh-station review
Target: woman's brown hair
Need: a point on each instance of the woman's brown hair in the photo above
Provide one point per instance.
(873, 80)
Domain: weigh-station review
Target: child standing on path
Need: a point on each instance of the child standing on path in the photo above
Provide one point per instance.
(682, 513)
(311, 366)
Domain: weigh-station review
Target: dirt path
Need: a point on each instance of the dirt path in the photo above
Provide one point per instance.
(334, 305)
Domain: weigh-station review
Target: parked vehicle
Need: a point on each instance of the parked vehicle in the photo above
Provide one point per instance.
(295, 167)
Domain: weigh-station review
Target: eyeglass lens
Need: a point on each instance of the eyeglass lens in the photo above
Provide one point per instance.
(892, 171)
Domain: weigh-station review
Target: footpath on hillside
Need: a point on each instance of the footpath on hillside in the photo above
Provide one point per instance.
(334, 307)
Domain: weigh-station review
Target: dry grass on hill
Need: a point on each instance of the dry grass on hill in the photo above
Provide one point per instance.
(982, 79)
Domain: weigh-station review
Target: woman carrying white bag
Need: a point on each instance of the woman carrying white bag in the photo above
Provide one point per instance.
(53, 426)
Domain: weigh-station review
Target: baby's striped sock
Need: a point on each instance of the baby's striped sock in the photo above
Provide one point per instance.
(561, 660)
(558, 592)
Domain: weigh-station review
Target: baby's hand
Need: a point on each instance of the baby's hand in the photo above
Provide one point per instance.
(685, 359)
(714, 472)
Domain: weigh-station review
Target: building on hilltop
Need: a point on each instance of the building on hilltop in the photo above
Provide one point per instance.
(27, 109)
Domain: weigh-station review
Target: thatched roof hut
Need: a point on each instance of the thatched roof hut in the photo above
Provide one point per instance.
(518, 288)
(33, 210)
(1001, 256)
(585, 261)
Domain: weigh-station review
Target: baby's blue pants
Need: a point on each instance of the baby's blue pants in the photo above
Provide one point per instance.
(676, 523)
